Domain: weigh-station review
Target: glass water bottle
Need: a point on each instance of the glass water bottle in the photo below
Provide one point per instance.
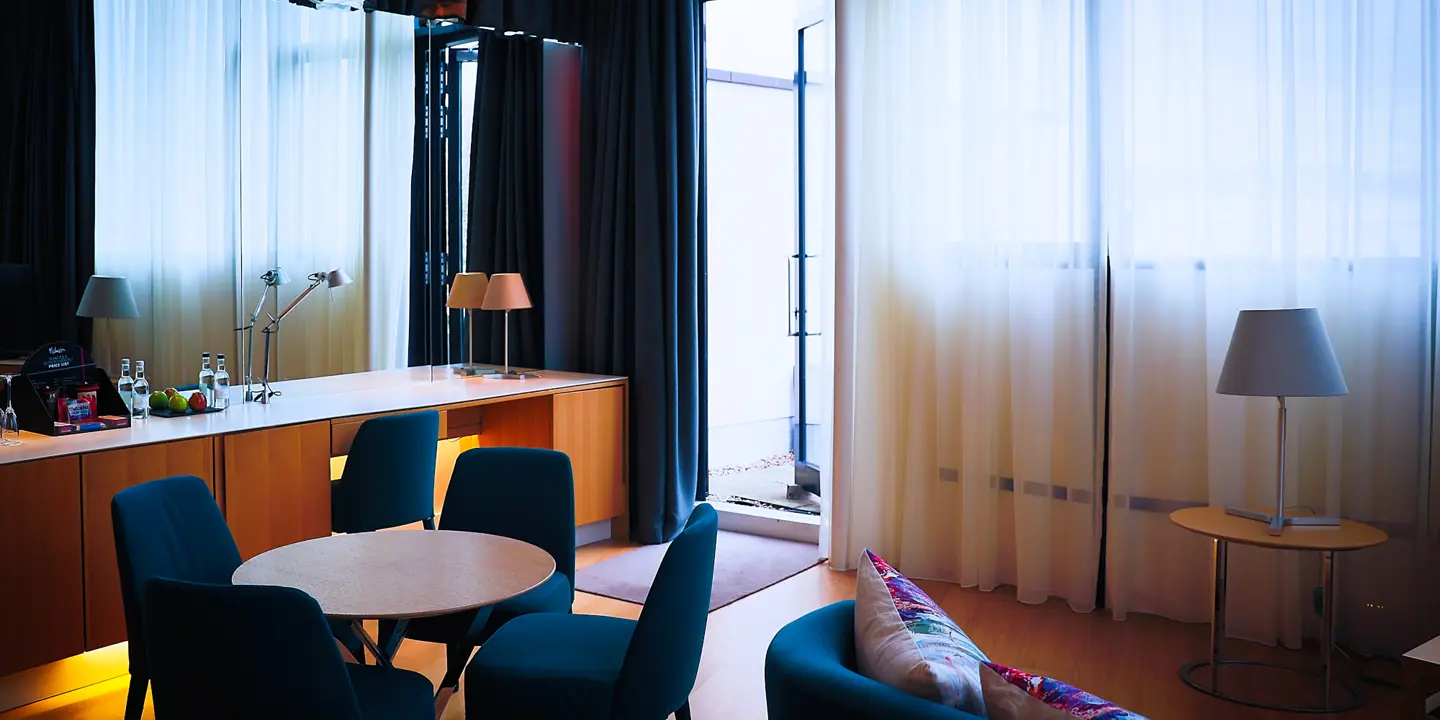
(126, 384)
(207, 380)
(222, 384)
(140, 399)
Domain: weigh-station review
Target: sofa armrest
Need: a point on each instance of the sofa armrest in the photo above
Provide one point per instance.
(808, 674)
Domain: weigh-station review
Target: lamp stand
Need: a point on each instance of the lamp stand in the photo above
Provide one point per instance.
(1278, 520)
(468, 367)
(266, 393)
(508, 375)
(247, 348)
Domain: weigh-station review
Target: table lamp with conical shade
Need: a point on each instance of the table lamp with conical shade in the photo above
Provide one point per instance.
(467, 292)
(506, 291)
(1281, 354)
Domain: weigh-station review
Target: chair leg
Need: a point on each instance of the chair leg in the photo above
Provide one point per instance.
(135, 699)
(456, 655)
(684, 712)
(429, 523)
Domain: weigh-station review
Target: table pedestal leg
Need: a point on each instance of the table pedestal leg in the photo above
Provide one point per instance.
(382, 655)
(1327, 621)
(358, 627)
(1217, 614)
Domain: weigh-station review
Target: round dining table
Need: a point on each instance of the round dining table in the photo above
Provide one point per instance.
(401, 574)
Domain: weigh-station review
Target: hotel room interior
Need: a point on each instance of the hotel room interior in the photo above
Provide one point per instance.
(719, 359)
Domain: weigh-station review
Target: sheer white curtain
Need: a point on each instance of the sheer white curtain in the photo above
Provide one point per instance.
(234, 137)
(390, 111)
(302, 182)
(1256, 155)
(966, 348)
(165, 169)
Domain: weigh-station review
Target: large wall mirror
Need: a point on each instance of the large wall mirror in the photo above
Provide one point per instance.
(239, 143)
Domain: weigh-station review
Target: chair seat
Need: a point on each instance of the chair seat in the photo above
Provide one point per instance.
(548, 666)
(552, 596)
(392, 694)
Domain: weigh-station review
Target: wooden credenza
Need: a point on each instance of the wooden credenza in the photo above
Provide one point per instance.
(269, 467)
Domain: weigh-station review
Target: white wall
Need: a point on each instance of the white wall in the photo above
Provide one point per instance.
(751, 36)
(751, 192)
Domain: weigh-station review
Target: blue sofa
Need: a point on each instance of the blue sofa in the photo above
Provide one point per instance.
(810, 675)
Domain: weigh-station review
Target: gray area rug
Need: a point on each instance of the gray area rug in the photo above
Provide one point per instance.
(744, 564)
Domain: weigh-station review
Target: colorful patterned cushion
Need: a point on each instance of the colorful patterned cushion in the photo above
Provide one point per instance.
(1063, 696)
(903, 639)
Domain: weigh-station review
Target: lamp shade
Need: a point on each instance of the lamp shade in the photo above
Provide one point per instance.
(506, 292)
(337, 277)
(1281, 353)
(107, 297)
(276, 277)
(467, 291)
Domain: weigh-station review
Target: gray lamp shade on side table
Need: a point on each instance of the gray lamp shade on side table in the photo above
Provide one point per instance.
(1281, 353)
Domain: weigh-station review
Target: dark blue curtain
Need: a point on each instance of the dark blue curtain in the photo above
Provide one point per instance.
(643, 292)
(47, 170)
(507, 217)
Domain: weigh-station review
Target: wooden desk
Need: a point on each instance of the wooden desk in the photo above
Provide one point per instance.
(269, 466)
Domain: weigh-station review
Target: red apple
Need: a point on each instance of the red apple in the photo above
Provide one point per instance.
(197, 401)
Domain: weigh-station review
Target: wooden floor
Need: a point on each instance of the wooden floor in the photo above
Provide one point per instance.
(1133, 663)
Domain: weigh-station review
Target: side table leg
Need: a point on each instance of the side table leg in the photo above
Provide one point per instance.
(1327, 622)
(1217, 614)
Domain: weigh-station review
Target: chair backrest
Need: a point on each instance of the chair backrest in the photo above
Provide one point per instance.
(664, 653)
(250, 651)
(522, 493)
(168, 528)
(389, 478)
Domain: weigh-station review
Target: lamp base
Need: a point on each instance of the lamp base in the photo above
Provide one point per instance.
(512, 375)
(1278, 521)
(472, 370)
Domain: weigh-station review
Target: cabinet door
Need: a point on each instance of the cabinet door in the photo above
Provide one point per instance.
(42, 599)
(590, 427)
(277, 486)
(102, 475)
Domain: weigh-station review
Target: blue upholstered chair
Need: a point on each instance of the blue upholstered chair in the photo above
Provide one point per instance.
(280, 661)
(171, 528)
(389, 478)
(547, 667)
(810, 675)
(523, 493)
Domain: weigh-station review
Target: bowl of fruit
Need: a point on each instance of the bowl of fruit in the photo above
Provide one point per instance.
(175, 403)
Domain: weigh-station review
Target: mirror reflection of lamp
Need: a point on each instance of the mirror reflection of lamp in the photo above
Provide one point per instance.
(107, 298)
(506, 291)
(467, 292)
(331, 279)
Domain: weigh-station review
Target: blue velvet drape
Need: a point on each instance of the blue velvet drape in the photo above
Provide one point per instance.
(507, 216)
(643, 245)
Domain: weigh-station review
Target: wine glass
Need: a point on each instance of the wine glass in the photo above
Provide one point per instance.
(9, 423)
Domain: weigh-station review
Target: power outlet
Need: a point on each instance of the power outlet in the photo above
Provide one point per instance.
(1318, 601)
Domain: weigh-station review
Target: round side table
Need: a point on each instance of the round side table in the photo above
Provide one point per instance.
(1223, 529)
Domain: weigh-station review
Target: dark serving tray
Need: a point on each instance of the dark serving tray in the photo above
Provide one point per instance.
(168, 413)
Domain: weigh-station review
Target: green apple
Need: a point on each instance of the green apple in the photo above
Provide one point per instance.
(178, 404)
(159, 400)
